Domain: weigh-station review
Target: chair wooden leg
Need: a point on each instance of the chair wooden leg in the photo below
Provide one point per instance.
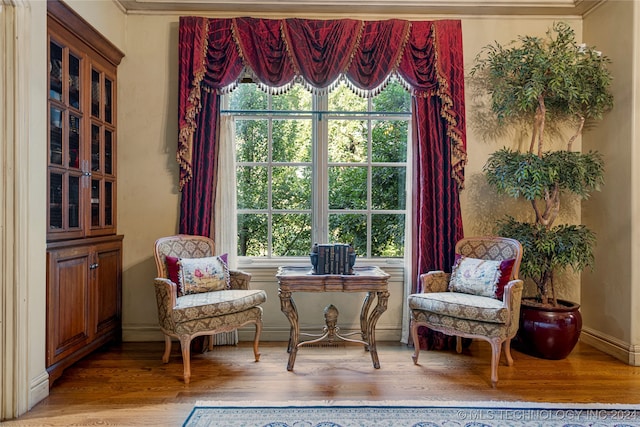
(496, 346)
(211, 341)
(416, 342)
(256, 340)
(458, 344)
(507, 351)
(167, 349)
(185, 344)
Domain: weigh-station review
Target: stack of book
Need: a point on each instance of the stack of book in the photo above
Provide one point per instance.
(335, 258)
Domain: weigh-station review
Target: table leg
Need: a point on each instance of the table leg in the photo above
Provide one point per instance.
(381, 307)
(288, 307)
(364, 314)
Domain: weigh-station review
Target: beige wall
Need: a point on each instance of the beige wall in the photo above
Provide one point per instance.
(610, 291)
(105, 16)
(148, 197)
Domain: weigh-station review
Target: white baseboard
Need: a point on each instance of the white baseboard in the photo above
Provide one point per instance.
(615, 347)
(38, 389)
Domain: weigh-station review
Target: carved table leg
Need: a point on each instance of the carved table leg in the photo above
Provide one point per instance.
(364, 313)
(381, 307)
(288, 307)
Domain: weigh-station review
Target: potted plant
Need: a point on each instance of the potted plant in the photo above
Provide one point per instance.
(547, 85)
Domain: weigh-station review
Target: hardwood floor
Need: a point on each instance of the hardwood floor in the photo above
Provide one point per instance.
(128, 385)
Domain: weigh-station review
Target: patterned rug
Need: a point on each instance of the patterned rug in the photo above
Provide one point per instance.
(411, 414)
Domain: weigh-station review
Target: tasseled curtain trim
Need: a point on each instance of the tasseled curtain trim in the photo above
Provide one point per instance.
(425, 57)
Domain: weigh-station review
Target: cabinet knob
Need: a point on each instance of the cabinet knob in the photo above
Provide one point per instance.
(93, 266)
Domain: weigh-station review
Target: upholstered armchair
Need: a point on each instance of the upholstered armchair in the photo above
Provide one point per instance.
(479, 299)
(197, 295)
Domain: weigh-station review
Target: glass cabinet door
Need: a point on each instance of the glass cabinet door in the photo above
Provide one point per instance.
(65, 213)
(81, 161)
(102, 153)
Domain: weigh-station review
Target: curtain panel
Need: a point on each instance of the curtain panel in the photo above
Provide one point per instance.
(426, 56)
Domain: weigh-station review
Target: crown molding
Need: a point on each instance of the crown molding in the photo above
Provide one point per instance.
(394, 7)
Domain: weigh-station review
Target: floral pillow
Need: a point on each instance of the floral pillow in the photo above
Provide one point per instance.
(173, 267)
(475, 276)
(196, 275)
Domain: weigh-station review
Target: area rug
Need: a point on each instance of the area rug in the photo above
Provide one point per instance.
(411, 414)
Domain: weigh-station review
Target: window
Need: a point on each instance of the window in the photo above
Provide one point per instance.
(320, 168)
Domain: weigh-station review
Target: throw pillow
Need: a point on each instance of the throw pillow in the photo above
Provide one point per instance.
(173, 268)
(480, 277)
(475, 276)
(506, 267)
(198, 275)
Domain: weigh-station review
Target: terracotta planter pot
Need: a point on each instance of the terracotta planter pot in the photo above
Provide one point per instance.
(548, 333)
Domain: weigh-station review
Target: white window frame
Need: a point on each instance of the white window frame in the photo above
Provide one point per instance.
(320, 117)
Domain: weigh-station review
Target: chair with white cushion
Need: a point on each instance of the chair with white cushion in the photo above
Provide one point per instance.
(198, 295)
(479, 299)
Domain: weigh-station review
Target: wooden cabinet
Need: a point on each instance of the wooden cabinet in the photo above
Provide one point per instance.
(84, 252)
(84, 295)
(82, 136)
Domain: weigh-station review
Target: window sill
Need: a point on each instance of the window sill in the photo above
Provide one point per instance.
(257, 263)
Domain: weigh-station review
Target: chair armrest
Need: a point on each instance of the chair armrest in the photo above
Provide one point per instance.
(166, 295)
(239, 279)
(512, 299)
(434, 281)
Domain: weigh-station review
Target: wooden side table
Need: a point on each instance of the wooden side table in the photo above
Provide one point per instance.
(371, 280)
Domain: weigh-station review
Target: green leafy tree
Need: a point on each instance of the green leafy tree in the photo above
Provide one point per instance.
(534, 82)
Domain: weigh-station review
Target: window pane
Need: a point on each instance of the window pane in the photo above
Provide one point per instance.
(74, 201)
(252, 140)
(74, 141)
(252, 187)
(343, 99)
(348, 140)
(108, 203)
(108, 102)
(389, 141)
(252, 235)
(291, 234)
(95, 203)
(292, 140)
(55, 200)
(248, 96)
(55, 136)
(108, 152)
(387, 235)
(388, 188)
(95, 93)
(95, 147)
(349, 228)
(394, 98)
(296, 99)
(291, 187)
(55, 71)
(347, 188)
(74, 81)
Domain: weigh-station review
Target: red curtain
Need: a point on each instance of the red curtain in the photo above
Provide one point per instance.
(426, 55)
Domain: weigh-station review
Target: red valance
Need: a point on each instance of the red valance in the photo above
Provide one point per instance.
(425, 55)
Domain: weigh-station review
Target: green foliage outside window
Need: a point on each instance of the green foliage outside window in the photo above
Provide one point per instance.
(365, 177)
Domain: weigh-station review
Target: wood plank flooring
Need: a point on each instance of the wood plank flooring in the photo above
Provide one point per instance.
(128, 385)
